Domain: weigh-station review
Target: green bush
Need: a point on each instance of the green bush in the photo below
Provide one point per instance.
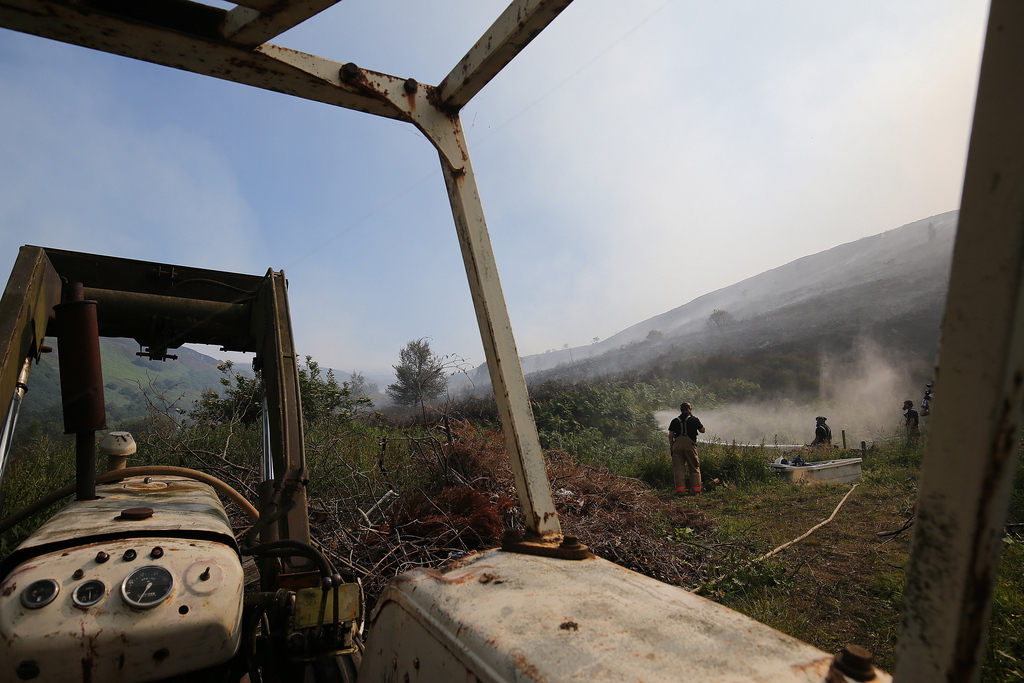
(740, 466)
(39, 464)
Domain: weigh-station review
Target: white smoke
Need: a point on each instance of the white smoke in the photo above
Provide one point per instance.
(861, 394)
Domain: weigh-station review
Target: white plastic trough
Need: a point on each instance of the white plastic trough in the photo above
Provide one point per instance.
(844, 471)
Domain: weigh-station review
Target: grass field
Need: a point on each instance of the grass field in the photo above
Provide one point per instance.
(844, 583)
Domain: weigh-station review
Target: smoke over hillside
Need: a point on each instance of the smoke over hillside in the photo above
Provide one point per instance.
(861, 393)
(890, 287)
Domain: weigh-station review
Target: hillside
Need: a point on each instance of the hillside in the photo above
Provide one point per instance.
(129, 381)
(889, 288)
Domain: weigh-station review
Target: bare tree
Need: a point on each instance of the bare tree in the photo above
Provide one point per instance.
(720, 318)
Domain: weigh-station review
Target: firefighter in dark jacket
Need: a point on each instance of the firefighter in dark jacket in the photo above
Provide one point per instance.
(682, 439)
(822, 433)
(911, 423)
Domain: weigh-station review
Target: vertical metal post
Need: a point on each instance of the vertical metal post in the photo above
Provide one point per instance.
(965, 485)
(277, 358)
(81, 382)
(11, 420)
(521, 439)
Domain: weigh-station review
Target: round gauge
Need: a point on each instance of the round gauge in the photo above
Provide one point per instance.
(88, 593)
(39, 593)
(147, 586)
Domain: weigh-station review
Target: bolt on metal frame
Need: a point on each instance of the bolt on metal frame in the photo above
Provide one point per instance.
(963, 500)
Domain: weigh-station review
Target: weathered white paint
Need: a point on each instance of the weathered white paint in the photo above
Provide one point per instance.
(510, 617)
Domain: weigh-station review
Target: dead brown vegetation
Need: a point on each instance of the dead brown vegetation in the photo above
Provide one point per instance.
(620, 519)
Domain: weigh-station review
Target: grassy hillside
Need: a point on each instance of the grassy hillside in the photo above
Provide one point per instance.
(130, 382)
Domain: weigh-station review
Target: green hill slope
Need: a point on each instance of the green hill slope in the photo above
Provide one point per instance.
(130, 383)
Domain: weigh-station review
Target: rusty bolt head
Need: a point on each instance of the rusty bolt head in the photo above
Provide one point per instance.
(349, 70)
(410, 86)
(571, 543)
(855, 662)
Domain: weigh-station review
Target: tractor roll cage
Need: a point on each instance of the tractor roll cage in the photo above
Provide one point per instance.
(162, 307)
(964, 494)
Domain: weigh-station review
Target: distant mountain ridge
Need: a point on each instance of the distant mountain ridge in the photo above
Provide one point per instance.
(889, 287)
(886, 284)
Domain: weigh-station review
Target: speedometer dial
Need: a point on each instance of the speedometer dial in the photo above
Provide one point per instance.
(147, 587)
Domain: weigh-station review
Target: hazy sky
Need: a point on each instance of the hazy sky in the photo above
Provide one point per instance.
(635, 156)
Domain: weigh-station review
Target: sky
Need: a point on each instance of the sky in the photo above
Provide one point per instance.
(633, 157)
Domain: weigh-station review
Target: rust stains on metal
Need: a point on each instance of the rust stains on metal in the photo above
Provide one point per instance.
(136, 513)
(90, 659)
(815, 666)
(456, 578)
(527, 667)
(549, 546)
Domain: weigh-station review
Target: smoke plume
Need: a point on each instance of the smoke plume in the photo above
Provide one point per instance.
(862, 393)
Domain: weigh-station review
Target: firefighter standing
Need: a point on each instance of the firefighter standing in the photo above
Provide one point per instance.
(911, 422)
(682, 439)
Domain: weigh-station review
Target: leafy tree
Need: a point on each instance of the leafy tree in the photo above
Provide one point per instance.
(420, 376)
(323, 398)
(360, 387)
(242, 400)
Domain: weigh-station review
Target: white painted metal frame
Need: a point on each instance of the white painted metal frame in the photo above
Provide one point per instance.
(230, 44)
(974, 434)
